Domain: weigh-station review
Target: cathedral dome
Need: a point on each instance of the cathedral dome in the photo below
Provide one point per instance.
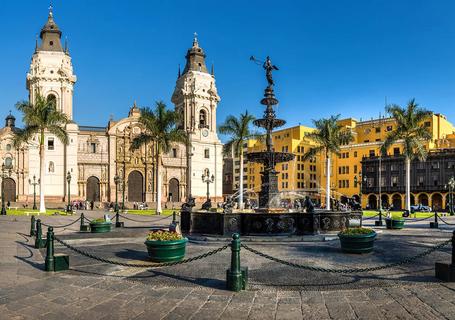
(50, 35)
(195, 58)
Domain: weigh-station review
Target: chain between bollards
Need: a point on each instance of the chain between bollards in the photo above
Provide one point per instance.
(49, 262)
(32, 226)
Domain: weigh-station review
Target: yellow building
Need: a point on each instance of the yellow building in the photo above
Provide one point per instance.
(309, 177)
(368, 138)
(294, 176)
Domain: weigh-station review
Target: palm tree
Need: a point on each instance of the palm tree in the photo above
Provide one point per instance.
(412, 133)
(161, 130)
(329, 137)
(238, 130)
(40, 118)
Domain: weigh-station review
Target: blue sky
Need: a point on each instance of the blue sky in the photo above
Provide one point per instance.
(334, 56)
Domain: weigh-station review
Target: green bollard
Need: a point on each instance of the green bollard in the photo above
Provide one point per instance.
(83, 226)
(39, 243)
(49, 262)
(118, 224)
(32, 226)
(236, 278)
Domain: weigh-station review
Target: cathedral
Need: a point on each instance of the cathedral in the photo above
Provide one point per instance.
(96, 155)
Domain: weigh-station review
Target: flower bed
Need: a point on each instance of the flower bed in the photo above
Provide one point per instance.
(165, 246)
(357, 240)
(100, 226)
(394, 223)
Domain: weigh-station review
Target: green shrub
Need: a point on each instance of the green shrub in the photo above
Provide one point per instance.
(163, 235)
(353, 231)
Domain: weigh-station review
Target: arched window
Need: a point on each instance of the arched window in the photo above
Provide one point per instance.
(52, 99)
(203, 121)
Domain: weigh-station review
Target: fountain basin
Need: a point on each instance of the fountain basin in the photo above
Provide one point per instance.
(264, 223)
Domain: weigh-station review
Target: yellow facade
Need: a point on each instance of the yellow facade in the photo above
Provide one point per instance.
(296, 175)
(368, 139)
(311, 177)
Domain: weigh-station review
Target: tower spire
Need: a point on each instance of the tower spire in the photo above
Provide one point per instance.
(50, 10)
(212, 72)
(195, 42)
(179, 74)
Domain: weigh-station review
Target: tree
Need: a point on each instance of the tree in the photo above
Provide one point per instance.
(238, 130)
(160, 130)
(329, 136)
(411, 132)
(40, 118)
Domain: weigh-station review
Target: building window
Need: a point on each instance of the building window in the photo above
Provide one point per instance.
(174, 152)
(50, 144)
(207, 153)
(93, 147)
(427, 124)
(51, 168)
(421, 181)
(396, 151)
(394, 181)
(355, 154)
(355, 168)
(389, 128)
(371, 153)
(8, 162)
(378, 129)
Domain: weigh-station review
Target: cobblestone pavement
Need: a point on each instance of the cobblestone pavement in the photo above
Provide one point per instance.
(95, 290)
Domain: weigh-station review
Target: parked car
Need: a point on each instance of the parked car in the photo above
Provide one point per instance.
(420, 208)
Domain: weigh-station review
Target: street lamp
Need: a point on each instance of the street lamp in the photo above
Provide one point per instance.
(68, 180)
(451, 185)
(116, 181)
(34, 184)
(206, 178)
(6, 173)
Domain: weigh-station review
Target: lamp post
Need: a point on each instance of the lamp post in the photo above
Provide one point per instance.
(116, 181)
(206, 178)
(34, 184)
(6, 173)
(68, 180)
(451, 185)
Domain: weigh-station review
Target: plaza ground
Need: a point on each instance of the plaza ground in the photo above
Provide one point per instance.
(96, 290)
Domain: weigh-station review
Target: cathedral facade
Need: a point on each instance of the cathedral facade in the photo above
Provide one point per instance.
(95, 156)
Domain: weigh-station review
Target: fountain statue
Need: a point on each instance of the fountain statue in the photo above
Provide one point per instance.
(269, 217)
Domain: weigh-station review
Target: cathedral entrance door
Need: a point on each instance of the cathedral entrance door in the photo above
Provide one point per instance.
(93, 189)
(135, 187)
(174, 190)
(10, 189)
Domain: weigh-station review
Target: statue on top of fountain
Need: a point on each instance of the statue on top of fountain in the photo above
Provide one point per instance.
(269, 67)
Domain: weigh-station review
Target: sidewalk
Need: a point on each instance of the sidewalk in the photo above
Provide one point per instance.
(27, 292)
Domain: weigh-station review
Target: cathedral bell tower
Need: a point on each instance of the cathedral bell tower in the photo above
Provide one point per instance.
(196, 98)
(51, 71)
(51, 75)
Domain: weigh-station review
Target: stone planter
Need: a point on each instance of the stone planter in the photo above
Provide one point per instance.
(166, 251)
(394, 223)
(100, 227)
(357, 243)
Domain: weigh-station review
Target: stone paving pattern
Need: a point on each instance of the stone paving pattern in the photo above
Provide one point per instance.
(93, 290)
